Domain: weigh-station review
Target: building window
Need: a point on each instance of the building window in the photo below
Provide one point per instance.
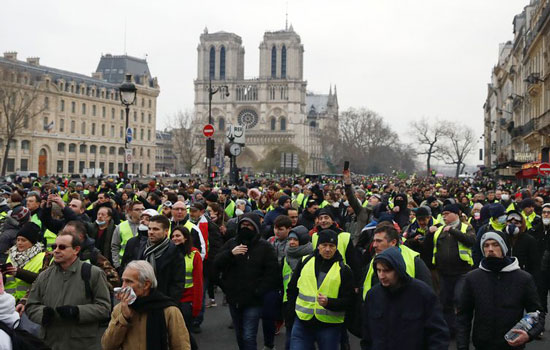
(112, 150)
(102, 166)
(212, 67)
(25, 145)
(83, 109)
(103, 111)
(24, 165)
(112, 113)
(93, 149)
(59, 166)
(273, 62)
(82, 148)
(94, 110)
(102, 129)
(13, 145)
(102, 150)
(26, 120)
(72, 148)
(111, 167)
(62, 105)
(148, 168)
(46, 103)
(93, 128)
(83, 128)
(73, 107)
(221, 124)
(283, 62)
(149, 118)
(61, 147)
(142, 102)
(10, 165)
(71, 167)
(112, 131)
(120, 167)
(81, 166)
(61, 125)
(73, 126)
(273, 123)
(135, 116)
(149, 103)
(141, 152)
(121, 151)
(121, 114)
(148, 153)
(121, 132)
(141, 134)
(149, 135)
(222, 63)
(312, 124)
(142, 117)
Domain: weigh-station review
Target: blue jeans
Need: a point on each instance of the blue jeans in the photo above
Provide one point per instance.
(246, 321)
(303, 338)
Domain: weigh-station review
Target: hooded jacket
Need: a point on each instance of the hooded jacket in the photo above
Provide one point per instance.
(406, 316)
(402, 217)
(246, 278)
(498, 300)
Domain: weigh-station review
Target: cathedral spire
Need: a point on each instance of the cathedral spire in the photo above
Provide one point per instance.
(330, 90)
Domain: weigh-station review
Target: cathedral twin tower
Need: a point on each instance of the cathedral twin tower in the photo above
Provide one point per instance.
(275, 107)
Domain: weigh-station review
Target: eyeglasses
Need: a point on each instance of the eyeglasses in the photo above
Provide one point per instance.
(60, 246)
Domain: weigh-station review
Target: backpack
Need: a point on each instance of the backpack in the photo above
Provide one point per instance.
(86, 274)
(23, 340)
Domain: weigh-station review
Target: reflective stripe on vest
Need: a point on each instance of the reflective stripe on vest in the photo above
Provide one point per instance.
(323, 204)
(306, 304)
(17, 287)
(287, 275)
(529, 219)
(408, 255)
(125, 234)
(464, 252)
(189, 269)
(343, 241)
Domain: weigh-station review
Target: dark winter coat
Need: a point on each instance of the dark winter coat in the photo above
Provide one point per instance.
(307, 219)
(407, 316)
(498, 300)
(246, 278)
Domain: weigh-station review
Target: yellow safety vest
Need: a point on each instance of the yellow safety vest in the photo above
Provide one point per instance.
(125, 235)
(36, 220)
(464, 252)
(343, 242)
(323, 204)
(18, 288)
(287, 275)
(50, 239)
(230, 209)
(189, 269)
(306, 304)
(529, 219)
(408, 255)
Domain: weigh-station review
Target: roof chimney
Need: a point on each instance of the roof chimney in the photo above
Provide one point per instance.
(10, 55)
(35, 61)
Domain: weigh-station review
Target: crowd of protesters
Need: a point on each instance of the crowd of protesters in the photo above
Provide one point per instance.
(400, 263)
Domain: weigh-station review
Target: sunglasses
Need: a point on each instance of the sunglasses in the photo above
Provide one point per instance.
(60, 246)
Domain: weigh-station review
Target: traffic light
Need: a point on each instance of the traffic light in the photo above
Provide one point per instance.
(210, 148)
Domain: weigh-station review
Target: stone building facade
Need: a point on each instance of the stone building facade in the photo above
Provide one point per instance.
(82, 124)
(275, 107)
(517, 108)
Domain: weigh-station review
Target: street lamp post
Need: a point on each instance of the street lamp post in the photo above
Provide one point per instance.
(209, 141)
(127, 93)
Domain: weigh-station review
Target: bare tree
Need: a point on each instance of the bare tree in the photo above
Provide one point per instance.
(460, 142)
(188, 148)
(18, 109)
(428, 136)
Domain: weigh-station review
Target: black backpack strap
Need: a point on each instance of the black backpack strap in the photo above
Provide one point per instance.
(4, 327)
(86, 274)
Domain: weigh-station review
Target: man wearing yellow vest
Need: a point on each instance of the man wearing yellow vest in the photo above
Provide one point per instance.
(452, 258)
(386, 236)
(321, 289)
(125, 231)
(527, 207)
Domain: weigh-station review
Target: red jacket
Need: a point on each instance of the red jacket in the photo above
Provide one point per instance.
(194, 294)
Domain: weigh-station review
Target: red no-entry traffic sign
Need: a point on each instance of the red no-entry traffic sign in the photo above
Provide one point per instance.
(544, 168)
(208, 130)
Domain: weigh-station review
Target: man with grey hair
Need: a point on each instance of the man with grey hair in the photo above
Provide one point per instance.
(151, 319)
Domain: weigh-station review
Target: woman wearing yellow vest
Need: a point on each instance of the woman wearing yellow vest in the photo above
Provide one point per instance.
(321, 289)
(191, 300)
(24, 261)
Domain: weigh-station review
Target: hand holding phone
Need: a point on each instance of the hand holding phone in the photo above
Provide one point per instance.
(346, 173)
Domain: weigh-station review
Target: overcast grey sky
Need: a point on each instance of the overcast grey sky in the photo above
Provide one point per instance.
(404, 59)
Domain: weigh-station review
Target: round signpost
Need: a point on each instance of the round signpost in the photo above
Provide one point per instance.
(208, 130)
(544, 169)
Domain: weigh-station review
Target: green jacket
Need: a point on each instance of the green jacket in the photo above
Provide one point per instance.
(55, 287)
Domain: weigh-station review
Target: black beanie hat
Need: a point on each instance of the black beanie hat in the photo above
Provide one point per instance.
(327, 236)
(453, 208)
(211, 197)
(30, 231)
(326, 211)
(283, 199)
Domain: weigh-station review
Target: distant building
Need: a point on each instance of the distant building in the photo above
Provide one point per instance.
(83, 122)
(165, 160)
(275, 107)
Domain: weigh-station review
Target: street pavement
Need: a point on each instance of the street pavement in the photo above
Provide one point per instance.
(216, 334)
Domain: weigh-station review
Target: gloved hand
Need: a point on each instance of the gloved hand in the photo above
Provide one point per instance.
(47, 315)
(68, 312)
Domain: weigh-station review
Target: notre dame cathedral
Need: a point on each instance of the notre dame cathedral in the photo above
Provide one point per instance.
(275, 107)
